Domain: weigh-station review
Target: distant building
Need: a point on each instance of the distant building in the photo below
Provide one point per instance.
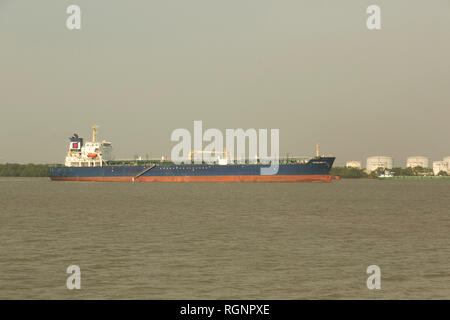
(417, 161)
(376, 162)
(354, 164)
(446, 159)
(439, 166)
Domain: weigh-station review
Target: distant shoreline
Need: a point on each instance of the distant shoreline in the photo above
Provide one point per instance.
(42, 170)
(24, 170)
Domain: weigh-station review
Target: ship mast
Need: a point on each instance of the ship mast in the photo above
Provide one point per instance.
(317, 150)
(94, 132)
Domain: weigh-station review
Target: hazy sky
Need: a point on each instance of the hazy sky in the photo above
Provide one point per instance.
(141, 69)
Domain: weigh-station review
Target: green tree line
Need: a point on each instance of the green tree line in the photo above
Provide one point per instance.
(23, 170)
(41, 170)
(348, 173)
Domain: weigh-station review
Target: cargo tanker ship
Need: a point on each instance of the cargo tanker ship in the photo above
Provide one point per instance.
(92, 161)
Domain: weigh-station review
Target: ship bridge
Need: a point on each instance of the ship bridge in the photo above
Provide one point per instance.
(89, 154)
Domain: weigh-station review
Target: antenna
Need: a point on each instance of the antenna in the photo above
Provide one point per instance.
(94, 132)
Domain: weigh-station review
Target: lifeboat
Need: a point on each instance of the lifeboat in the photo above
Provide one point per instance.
(92, 155)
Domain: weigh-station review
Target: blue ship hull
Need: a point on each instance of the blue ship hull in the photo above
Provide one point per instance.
(316, 169)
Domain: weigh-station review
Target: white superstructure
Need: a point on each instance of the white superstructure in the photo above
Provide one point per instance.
(89, 154)
(417, 161)
(376, 162)
(353, 164)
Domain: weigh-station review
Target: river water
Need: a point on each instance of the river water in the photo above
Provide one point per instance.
(224, 240)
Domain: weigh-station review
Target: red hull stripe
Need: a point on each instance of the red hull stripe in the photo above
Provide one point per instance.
(243, 178)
